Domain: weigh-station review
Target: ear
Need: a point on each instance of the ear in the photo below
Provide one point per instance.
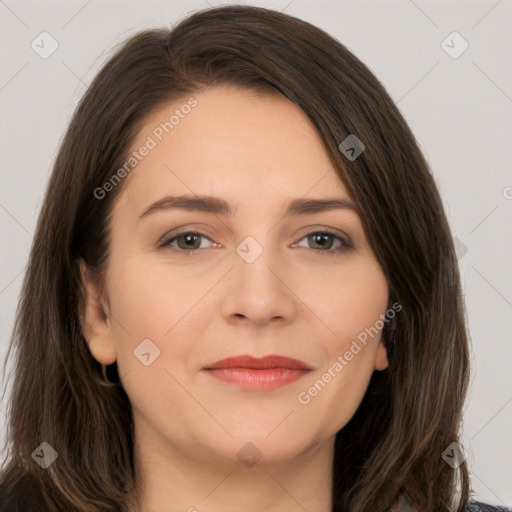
(95, 319)
(381, 357)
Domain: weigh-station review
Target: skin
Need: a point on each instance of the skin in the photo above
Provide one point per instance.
(258, 152)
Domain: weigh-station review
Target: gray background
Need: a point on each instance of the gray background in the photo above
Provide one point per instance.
(460, 110)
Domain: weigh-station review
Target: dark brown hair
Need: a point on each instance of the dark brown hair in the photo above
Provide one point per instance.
(411, 411)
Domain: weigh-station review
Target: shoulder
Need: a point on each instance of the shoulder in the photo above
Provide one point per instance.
(404, 504)
(477, 506)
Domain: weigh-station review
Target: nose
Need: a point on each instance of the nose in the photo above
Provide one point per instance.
(260, 292)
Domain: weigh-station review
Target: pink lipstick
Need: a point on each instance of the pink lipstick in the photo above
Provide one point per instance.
(265, 373)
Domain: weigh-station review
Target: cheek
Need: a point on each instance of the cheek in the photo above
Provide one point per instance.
(152, 297)
(148, 304)
(164, 304)
(349, 300)
(154, 300)
(354, 311)
(151, 331)
(360, 308)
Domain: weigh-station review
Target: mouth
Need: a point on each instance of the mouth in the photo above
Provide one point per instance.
(264, 374)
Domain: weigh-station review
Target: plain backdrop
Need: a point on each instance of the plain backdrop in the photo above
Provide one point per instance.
(459, 106)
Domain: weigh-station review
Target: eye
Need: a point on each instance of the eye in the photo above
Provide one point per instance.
(187, 241)
(324, 242)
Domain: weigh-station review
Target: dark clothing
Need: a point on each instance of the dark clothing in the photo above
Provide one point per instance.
(27, 500)
(483, 507)
(403, 504)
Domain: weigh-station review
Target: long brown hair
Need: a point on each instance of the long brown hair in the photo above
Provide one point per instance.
(411, 411)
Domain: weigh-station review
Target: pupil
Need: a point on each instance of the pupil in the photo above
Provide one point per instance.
(190, 238)
(320, 239)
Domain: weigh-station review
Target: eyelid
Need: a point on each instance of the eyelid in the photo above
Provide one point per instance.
(346, 241)
(182, 231)
(344, 238)
(169, 238)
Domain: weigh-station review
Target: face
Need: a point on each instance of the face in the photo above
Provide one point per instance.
(186, 288)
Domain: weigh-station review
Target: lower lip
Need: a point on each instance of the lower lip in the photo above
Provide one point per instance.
(264, 380)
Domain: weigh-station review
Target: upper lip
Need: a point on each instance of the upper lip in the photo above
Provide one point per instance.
(262, 363)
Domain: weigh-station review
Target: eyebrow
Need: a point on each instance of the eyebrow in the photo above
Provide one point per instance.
(219, 206)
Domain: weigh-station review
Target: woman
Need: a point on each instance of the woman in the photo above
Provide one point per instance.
(311, 356)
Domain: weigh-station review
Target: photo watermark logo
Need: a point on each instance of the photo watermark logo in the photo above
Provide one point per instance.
(304, 397)
(137, 156)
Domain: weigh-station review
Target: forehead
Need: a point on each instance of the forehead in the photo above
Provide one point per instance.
(232, 142)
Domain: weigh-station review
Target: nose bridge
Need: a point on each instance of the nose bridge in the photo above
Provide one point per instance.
(258, 291)
(257, 257)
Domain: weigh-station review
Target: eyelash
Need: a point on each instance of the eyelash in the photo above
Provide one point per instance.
(347, 245)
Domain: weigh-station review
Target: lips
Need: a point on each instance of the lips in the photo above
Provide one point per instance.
(264, 363)
(260, 374)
